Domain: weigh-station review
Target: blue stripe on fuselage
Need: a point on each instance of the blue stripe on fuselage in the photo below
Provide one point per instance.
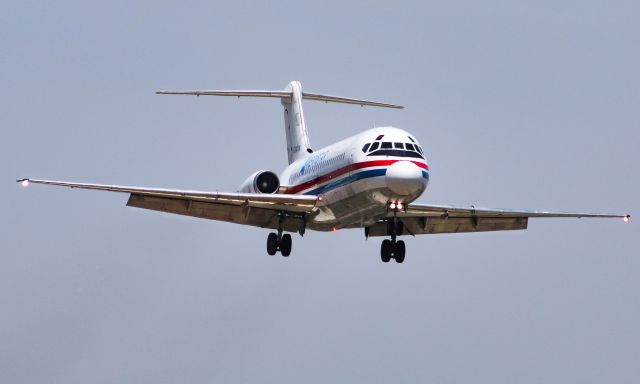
(349, 179)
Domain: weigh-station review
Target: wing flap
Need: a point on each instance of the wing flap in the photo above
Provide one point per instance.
(433, 225)
(239, 214)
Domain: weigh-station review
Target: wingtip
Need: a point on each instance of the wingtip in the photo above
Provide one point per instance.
(626, 218)
(24, 182)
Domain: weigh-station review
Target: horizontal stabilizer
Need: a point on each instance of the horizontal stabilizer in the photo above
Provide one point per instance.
(347, 100)
(282, 95)
(279, 94)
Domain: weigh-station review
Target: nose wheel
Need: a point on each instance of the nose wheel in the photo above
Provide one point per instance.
(391, 249)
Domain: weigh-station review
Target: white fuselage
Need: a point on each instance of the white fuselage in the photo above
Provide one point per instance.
(357, 178)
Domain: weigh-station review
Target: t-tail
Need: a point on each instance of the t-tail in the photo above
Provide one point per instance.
(298, 145)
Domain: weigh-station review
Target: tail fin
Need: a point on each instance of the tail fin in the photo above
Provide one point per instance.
(298, 145)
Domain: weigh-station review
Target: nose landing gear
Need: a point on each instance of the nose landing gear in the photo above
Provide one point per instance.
(393, 249)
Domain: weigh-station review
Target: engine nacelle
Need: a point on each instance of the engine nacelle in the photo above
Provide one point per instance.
(261, 182)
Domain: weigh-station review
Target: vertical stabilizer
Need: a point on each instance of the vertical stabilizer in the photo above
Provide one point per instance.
(298, 145)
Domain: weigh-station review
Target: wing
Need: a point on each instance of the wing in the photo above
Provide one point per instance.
(261, 210)
(424, 219)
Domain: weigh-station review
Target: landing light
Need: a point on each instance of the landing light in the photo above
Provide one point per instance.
(392, 205)
(626, 218)
(399, 205)
(25, 183)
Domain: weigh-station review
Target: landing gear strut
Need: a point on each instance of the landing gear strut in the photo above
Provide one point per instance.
(279, 242)
(393, 249)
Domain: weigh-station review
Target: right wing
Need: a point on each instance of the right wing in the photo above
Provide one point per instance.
(260, 210)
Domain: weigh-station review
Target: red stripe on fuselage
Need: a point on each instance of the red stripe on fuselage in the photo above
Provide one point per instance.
(341, 171)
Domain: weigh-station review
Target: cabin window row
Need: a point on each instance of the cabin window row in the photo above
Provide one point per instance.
(323, 163)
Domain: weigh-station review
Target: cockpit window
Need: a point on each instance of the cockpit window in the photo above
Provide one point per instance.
(379, 137)
(411, 138)
(366, 146)
(394, 149)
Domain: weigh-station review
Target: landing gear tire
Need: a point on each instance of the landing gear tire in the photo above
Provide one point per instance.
(272, 244)
(385, 250)
(398, 251)
(285, 245)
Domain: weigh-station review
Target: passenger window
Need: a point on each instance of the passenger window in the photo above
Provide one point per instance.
(386, 145)
(366, 146)
(409, 146)
(374, 146)
(398, 145)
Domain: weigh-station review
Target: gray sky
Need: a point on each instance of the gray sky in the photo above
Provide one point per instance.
(518, 105)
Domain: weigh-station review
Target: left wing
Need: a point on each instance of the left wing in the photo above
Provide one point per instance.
(425, 219)
(261, 210)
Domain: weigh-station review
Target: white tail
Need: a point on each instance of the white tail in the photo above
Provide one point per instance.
(298, 145)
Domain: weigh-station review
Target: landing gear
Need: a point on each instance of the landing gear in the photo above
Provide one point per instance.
(272, 244)
(398, 251)
(391, 249)
(283, 244)
(386, 250)
(279, 241)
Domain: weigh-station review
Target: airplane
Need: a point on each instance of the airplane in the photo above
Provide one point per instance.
(367, 181)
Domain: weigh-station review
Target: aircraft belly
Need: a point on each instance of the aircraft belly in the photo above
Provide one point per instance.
(359, 203)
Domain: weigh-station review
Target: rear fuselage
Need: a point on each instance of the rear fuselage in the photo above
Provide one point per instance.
(357, 178)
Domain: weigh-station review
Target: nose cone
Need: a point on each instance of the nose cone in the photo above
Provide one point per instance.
(405, 178)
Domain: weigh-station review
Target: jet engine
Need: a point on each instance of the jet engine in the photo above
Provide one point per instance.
(261, 182)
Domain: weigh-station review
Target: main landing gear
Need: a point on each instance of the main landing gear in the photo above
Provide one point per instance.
(393, 249)
(279, 242)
